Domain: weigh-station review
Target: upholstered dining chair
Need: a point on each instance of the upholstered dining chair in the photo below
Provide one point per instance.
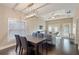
(18, 43)
(25, 46)
(47, 43)
(40, 35)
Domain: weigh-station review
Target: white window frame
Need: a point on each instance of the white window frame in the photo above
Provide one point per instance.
(17, 20)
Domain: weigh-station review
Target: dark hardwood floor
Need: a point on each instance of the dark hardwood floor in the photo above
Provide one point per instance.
(62, 47)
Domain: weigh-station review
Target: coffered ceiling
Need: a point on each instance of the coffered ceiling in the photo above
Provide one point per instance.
(46, 11)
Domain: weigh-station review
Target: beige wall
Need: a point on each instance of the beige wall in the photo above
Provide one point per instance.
(6, 13)
(33, 24)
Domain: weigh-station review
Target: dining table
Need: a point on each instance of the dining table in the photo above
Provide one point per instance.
(35, 41)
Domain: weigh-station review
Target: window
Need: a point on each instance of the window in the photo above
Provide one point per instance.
(56, 29)
(49, 28)
(15, 27)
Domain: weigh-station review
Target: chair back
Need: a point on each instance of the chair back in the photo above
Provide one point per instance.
(48, 39)
(34, 34)
(18, 42)
(24, 42)
(39, 34)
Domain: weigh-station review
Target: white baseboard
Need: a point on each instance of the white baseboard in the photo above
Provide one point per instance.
(7, 46)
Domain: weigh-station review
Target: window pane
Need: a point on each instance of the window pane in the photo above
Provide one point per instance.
(16, 27)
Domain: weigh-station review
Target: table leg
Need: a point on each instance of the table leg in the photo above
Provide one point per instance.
(36, 49)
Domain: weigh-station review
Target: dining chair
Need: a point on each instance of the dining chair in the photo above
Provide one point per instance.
(40, 35)
(25, 46)
(34, 34)
(18, 43)
(47, 43)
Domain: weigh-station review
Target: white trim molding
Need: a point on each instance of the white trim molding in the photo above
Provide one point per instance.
(7, 46)
(78, 47)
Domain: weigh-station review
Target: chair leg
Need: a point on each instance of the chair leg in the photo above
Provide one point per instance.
(42, 48)
(21, 51)
(16, 48)
(27, 51)
(46, 49)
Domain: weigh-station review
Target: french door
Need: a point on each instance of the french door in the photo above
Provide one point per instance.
(66, 30)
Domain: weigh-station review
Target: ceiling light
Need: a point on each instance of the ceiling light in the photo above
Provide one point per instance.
(53, 17)
(31, 15)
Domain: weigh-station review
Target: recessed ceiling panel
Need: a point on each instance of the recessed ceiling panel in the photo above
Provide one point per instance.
(22, 6)
(34, 7)
(45, 10)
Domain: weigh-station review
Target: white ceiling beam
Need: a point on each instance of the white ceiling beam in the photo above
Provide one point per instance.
(37, 8)
(15, 5)
(30, 4)
(22, 6)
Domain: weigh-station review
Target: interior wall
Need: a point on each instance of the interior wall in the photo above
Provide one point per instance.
(60, 23)
(6, 13)
(33, 24)
(76, 26)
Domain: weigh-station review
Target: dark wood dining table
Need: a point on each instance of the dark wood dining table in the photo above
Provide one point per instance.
(35, 41)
